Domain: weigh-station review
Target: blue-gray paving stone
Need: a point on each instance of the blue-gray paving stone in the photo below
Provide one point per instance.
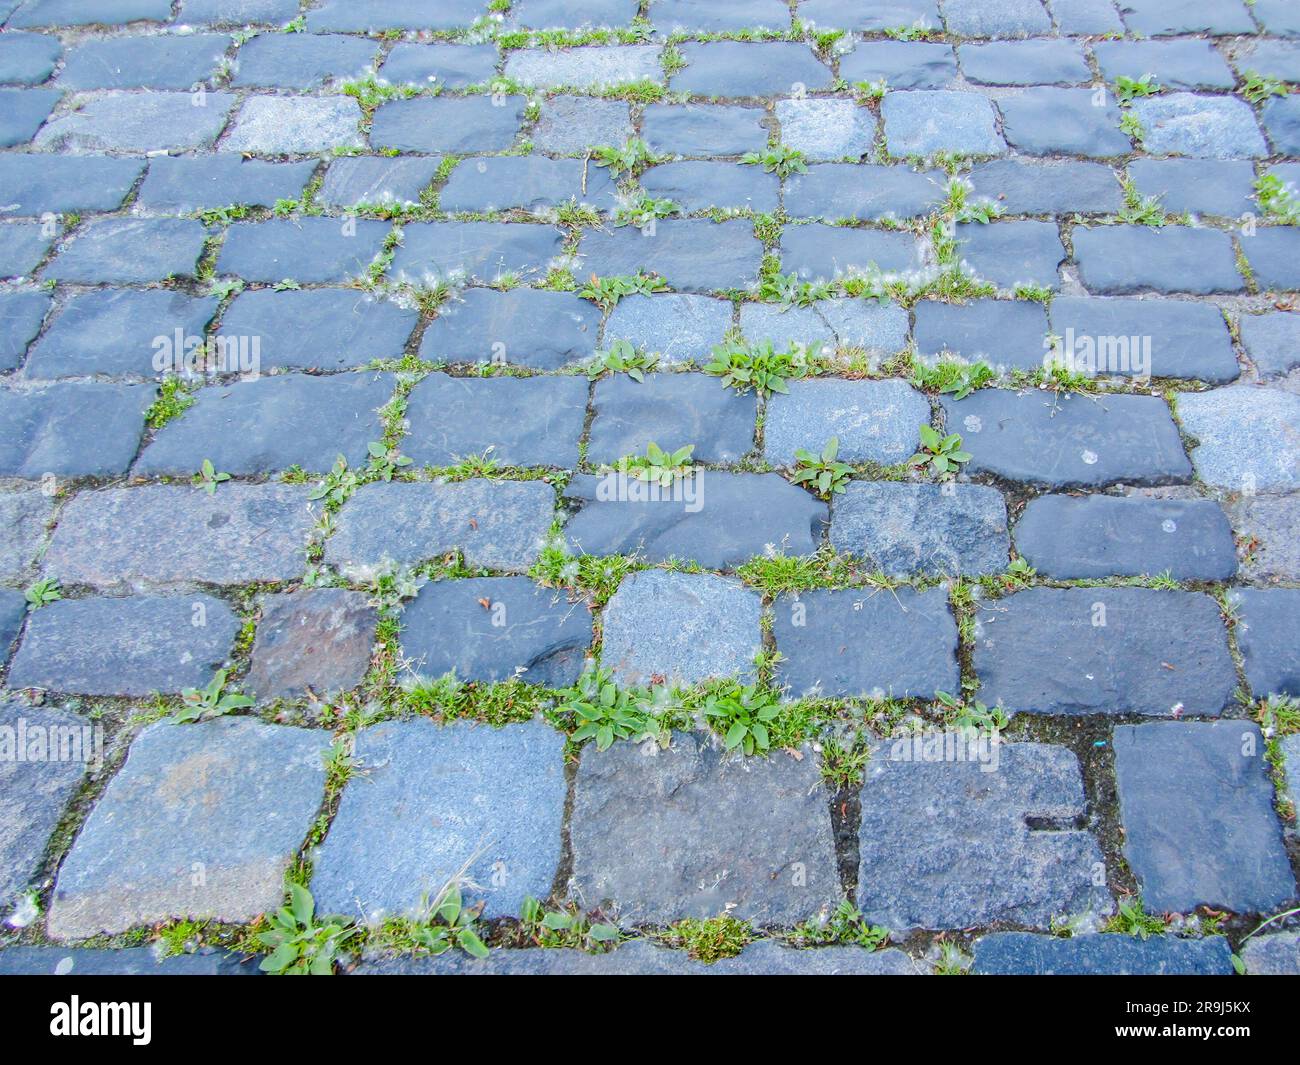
(451, 66)
(1069, 441)
(302, 60)
(709, 16)
(717, 520)
(1027, 954)
(1076, 651)
(113, 332)
(844, 324)
(676, 327)
(995, 18)
(886, 14)
(705, 626)
(530, 183)
(862, 190)
(523, 421)
(1266, 523)
(909, 529)
(168, 61)
(672, 410)
(187, 183)
(1277, 17)
(369, 180)
(588, 67)
(747, 68)
(482, 251)
(1196, 803)
(690, 254)
(921, 866)
(901, 64)
(22, 111)
(876, 421)
(1276, 954)
(13, 609)
(319, 329)
(138, 122)
(433, 798)
(826, 129)
(1051, 121)
(1272, 58)
(272, 423)
(28, 58)
(126, 250)
(694, 832)
(1271, 252)
(238, 11)
(572, 124)
(550, 14)
(1002, 333)
(1267, 621)
(521, 327)
(490, 629)
(1246, 437)
(22, 247)
(314, 641)
(703, 129)
(347, 16)
(36, 782)
(308, 250)
(1087, 16)
(77, 13)
(923, 122)
(1281, 118)
(295, 125)
(1222, 187)
(1206, 127)
(1095, 536)
(1116, 260)
(851, 643)
(1013, 253)
(1111, 335)
(1272, 340)
(1165, 18)
(1040, 62)
(456, 124)
(1181, 64)
(699, 186)
(21, 314)
(122, 961)
(821, 252)
(131, 646)
(501, 525)
(232, 799)
(72, 430)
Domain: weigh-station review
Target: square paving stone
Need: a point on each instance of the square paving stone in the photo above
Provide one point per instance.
(519, 421)
(853, 643)
(240, 534)
(584, 68)
(370, 181)
(1095, 536)
(77, 13)
(1026, 954)
(821, 252)
(188, 183)
(521, 327)
(995, 18)
(700, 186)
(22, 111)
(302, 60)
(1199, 825)
(1009, 254)
(1163, 18)
(1042, 62)
(272, 423)
(203, 821)
(1197, 186)
(875, 421)
(1002, 333)
(1048, 121)
(900, 64)
(826, 129)
(72, 430)
(1081, 651)
(433, 798)
(1181, 64)
(21, 315)
(1028, 186)
(502, 525)
(864, 191)
(452, 66)
(923, 865)
(347, 16)
(133, 646)
(1281, 118)
(489, 629)
(38, 777)
(570, 125)
(168, 61)
(1265, 527)
(693, 254)
(239, 11)
(908, 529)
(1268, 620)
(528, 183)
(672, 410)
(24, 514)
(925, 122)
(1122, 259)
(127, 250)
(1272, 341)
(677, 328)
(295, 125)
(746, 68)
(28, 58)
(313, 641)
(482, 251)
(136, 122)
(308, 250)
(1208, 127)
(717, 520)
(550, 14)
(702, 129)
(693, 832)
(1246, 437)
(1271, 253)
(23, 245)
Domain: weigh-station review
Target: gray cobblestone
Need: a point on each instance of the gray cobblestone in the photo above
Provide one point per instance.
(131, 122)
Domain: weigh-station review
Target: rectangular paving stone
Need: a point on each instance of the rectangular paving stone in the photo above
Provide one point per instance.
(76, 13)
(168, 61)
(72, 430)
(1268, 619)
(1002, 333)
(23, 246)
(691, 832)
(1163, 18)
(238, 11)
(899, 64)
(1086, 16)
(1009, 254)
(435, 798)
(588, 67)
(121, 961)
(708, 16)
(1026, 954)
(451, 124)
(1281, 120)
(887, 14)
(132, 646)
(1047, 187)
(481, 251)
(826, 129)
(187, 183)
(1051, 121)
(22, 111)
(28, 58)
(691, 254)
(1272, 340)
(501, 525)
(308, 250)
(111, 538)
(1272, 58)
(1207, 127)
(819, 252)
(519, 421)
(1038, 62)
(548, 14)
(844, 324)
(295, 125)
(127, 250)
(135, 122)
(1271, 253)
(1178, 64)
(1104, 651)
(863, 191)
(312, 642)
(21, 315)
(1277, 17)
(231, 798)
(746, 68)
(1245, 437)
(302, 60)
(347, 16)
(522, 327)
(1199, 825)
(528, 183)
(24, 513)
(700, 186)
(452, 66)
(677, 328)
(570, 125)
(1004, 18)
(875, 421)
(370, 181)
(924, 122)
(703, 129)
(1197, 186)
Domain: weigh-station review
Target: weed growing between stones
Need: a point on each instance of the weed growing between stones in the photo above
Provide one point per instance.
(711, 940)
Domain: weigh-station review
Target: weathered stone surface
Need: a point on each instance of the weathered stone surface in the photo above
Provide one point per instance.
(703, 129)
(186, 183)
(1183, 64)
(875, 421)
(1268, 620)
(72, 430)
(1276, 954)
(704, 626)
(75, 13)
(1199, 826)
(677, 328)
(22, 247)
(1029, 186)
(921, 866)
(132, 646)
(707, 16)
(1013, 253)
(347, 16)
(672, 410)
(700, 186)
(909, 529)
(1272, 256)
(1281, 118)
(1069, 441)
(1277, 16)
(845, 324)
(995, 18)
(272, 423)
(1272, 58)
(496, 628)
(21, 113)
(820, 252)
(295, 125)
(21, 315)
(315, 640)
(1026, 954)
(572, 124)
(240, 11)
(13, 609)
(526, 183)
(483, 251)
(1196, 186)
(1104, 651)
(1264, 525)
(233, 798)
(1094, 536)
(451, 66)
(307, 250)
(715, 519)
(498, 524)
(135, 122)
(163, 534)
(1162, 18)
(690, 254)
(28, 58)
(438, 801)
(857, 190)
(588, 67)
(1005, 334)
(887, 14)
(36, 184)
(747, 68)
(1048, 121)
(1272, 341)
(1213, 127)
(522, 327)
(1041, 62)
(519, 421)
(692, 832)
(367, 181)
(24, 515)
(1247, 437)
(826, 129)
(900, 64)
(301, 60)
(455, 124)
(123, 961)
(169, 61)
(544, 14)
(925, 122)
(126, 250)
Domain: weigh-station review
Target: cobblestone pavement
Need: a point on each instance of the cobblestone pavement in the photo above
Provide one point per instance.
(805, 487)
